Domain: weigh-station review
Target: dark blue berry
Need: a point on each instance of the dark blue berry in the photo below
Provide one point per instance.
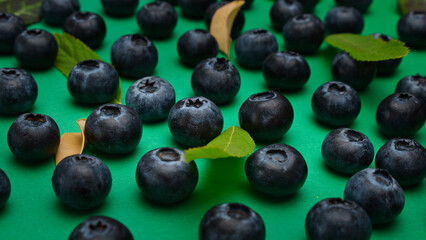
(120, 8)
(100, 227)
(343, 20)
(284, 10)
(194, 9)
(157, 19)
(361, 5)
(89, 27)
(55, 12)
(4, 188)
(412, 29)
(415, 85)
(309, 5)
(10, 27)
(386, 67)
(237, 25)
(195, 46)
(172, 2)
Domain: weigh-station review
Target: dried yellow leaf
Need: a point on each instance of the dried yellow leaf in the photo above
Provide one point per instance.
(71, 143)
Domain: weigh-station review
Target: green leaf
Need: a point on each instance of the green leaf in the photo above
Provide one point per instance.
(233, 142)
(367, 48)
(72, 51)
(405, 6)
(28, 10)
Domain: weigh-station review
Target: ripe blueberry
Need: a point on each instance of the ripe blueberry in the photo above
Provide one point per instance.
(194, 9)
(308, 5)
(343, 20)
(386, 67)
(55, 12)
(195, 46)
(120, 8)
(412, 29)
(361, 5)
(238, 23)
(4, 188)
(415, 85)
(284, 10)
(100, 227)
(157, 19)
(10, 27)
(89, 27)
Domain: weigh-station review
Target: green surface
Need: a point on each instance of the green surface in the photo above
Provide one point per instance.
(34, 212)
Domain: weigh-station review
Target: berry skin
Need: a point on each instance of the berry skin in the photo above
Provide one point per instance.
(81, 181)
(335, 218)
(237, 25)
(194, 9)
(343, 20)
(33, 137)
(347, 151)
(195, 121)
(405, 159)
(89, 27)
(386, 67)
(377, 192)
(195, 46)
(10, 27)
(134, 56)
(151, 97)
(277, 170)
(267, 116)
(361, 5)
(120, 8)
(308, 5)
(216, 79)
(101, 227)
(18, 91)
(55, 12)
(284, 10)
(400, 115)
(233, 221)
(164, 177)
(93, 81)
(4, 188)
(157, 19)
(415, 85)
(35, 49)
(412, 29)
(113, 129)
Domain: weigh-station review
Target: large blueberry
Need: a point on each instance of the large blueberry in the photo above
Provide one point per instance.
(412, 29)
(157, 19)
(284, 10)
(4, 188)
(386, 67)
(415, 85)
(120, 8)
(237, 25)
(101, 227)
(55, 12)
(361, 5)
(196, 45)
(309, 5)
(89, 27)
(194, 8)
(10, 27)
(343, 20)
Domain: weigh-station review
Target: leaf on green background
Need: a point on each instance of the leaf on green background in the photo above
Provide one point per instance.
(405, 6)
(72, 51)
(367, 48)
(28, 10)
(233, 142)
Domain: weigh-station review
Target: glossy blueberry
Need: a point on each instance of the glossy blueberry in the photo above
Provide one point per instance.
(309, 5)
(234, 221)
(347, 151)
(195, 121)
(386, 67)
(4, 188)
(266, 116)
(377, 192)
(286, 71)
(415, 85)
(18, 91)
(253, 46)
(113, 128)
(33, 137)
(237, 25)
(277, 170)
(100, 227)
(412, 29)
(151, 97)
(335, 218)
(55, 12)
(335, 104)
(303, 34)
(89, 27)
(81, 181)
(343, 20)
(216, 79)
(134, 56)
(164, 177)
(194, 8)
(361, 5)
(120, 8)
(93, 81)
(284, 10)
(355, 73)
(405, 159)
(35, 49)
(157, 19)
(10, 27)
(400, 115)
(195, 46)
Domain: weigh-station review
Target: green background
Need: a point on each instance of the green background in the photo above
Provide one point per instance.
(34, 212)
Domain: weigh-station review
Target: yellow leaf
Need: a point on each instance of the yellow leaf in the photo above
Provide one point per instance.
(71, 143)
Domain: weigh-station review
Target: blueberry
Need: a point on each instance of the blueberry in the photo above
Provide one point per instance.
(35, 49)
(81, 181)
(113, 128)
(237, 25)
(4, 188)
(18, 91)
(347, 151)
(134, 56)
(415, 85)
(253, 46)
(10, 27)
(400, 115)
(309, 5)
(195, 46)
(33, 137)
(164, 177)
(55, 12)
(386, 67)
(194, 9)
(120, 8)
(343, 20)
(157, 19)
(93, 81)
(172, 2)
(412, 29)
(100, 227)
(405, 159)
(286, 71)
(195, 121)
(151, 97)
(233, 221)
(357, 74)
(335, 218)
(335, 104)
(361, 5)
(89, 27)
(377, 192)
(284, 10)
(277, 170)
(303, 34)
(216, 79)
(266, 116)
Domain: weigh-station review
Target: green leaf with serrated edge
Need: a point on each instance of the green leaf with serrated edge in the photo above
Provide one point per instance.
(233, 142)
(406, 6)
(367, 48)
(28, 10)
(72, 51)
